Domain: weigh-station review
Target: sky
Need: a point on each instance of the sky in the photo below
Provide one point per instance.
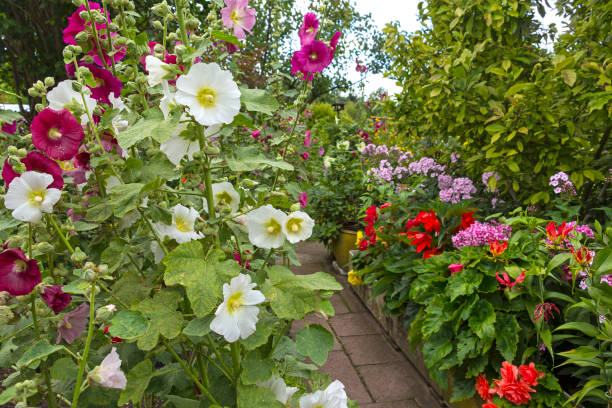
(405, 12)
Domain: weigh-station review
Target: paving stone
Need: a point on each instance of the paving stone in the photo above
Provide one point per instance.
(370, 349)
(354, 324)
(393, 382)
(339, 367)
(347, 300)
(396, 404)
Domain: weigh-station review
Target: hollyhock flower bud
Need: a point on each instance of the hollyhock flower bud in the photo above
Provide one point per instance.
(18, 275)
(55, 298)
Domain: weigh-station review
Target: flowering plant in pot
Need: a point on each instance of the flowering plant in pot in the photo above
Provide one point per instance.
(139, 267)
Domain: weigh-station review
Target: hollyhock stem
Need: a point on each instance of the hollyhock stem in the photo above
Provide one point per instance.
(159, 241)
(210, 198)
(50, 395)
(95, 32)
(180, 18)
(83, 361)
(30, 240)
(61, 234)
(110, 40)
(216, 351)
(235, 346)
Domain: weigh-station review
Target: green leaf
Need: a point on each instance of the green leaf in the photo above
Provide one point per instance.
(7, 395)
(154, 125)
(256, 369)
(263, 331)
(569, 77)
(558, 260)
(437, 347)
(114, 254)
(100, 212)
(8, 222)
(84, 226)
(590, 385)
(186, 266)
(249, 159)
(258, 100)
(482, 320)
(516, 88)
(38, 350)
(201, 327)
(252, 396)
(137, 382)
(463, 389)
(163, 317)
(64, 369)
(315, 341)
(9, 116)
(128, 325)
(125, 198)
(603, 261)
(180, 402)
(223, 36)
(464, 283)
(130, 288)
(586, 328)
(506, 335)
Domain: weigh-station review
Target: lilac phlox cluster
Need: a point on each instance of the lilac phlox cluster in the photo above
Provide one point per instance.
(495, 201)
(607, 279)
(369, 150)
(405, 157)
(445, 181)
(382, 150)
(485, 179)
(561, 183)
(455, 157)
(426, 167)
(582, 229)
(462, 189)
(480, 233)
(386, 172)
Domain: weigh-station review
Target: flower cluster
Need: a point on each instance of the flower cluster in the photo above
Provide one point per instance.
(480, 233)
(423, 240)
(386, 172)
(562, 184)
(370, 219)
(461, 189)
(515, 385)
(269, 228)
(426, 167)
(314, 56)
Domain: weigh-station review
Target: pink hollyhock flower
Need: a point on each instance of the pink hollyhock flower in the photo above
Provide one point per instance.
(18, 275)
(307, 141)
(9, 128)
(105, 81)
(321, 151)
(72, 325)
(305, 155)
(456, 267)
(360, 68)
(55, 298)
(303, 199)
(108, 374)
(80, 167)
(255, 134)
(309, 28)
(313, 57)
(333, 43)
(76, 24)
(117, 56)
(237, 15)
(35, 161)
(57, 133)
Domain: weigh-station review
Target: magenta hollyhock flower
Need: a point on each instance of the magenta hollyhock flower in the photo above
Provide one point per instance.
(106, 83)
(305, 155)
(72, 325)
(313, 57)
(80, 166)
(76, 24)
(333, 43)
(360, 68)
(9, 128)
(237, 15)
(307, 141)
(117, 56)
(57, 133)
(35, 161)
(321, 151)
(18, 275)
(303, 199)
(55, 298)
(255, 134)
(308, 30)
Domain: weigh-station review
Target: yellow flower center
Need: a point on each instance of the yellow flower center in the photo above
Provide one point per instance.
(236, 16)
(19, 266)
(67, 165)
(99, 82)
(273, 227)
(206, 97)
(294, 225)
(37, 197)
(234, 302)
(182, 224)
(310, 30)
(313, 56)
(54, 134)
(224, 198)
(68, 325)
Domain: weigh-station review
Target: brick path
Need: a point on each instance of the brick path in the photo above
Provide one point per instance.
(374, 372)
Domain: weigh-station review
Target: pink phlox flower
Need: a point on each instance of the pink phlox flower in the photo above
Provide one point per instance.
(479, 234)
(238, 16)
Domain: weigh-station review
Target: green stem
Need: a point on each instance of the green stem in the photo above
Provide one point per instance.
(110, 40)
(29, 241)
(3, 339)
(210, 198)
(213, 346)
(180, 18)
(61, 234)
(267, 259)
(157, 238)
(83, 361)
(235, 346)
(278, 339)
(95, 31)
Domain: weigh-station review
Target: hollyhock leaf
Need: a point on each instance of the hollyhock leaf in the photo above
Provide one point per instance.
(315, 341)
(223, 36)
(153, 125)
(38, 350)
(125, 198)
(100, 211)
(464, 283)
(257, 100)
(506, 335)
(80, 226)
(9, 116)
(159, 166)
(482, 320)
(186, 266)
(199, 326)
(249, 159)
(261, 335)
(8, 222)
(180, 402)
(8, 394)
(252, 396)
(164, 319)
(64, 369)
(128, 325)
(242, 120)
(256, 369)
(463, 389)
(137, 382)
(130, 288)
(114, 254)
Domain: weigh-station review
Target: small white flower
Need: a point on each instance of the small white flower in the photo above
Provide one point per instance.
(183, 222)
(241, 219)
(327, 161)
(177, 147)
(279, 388)
(29, 197)
(111, 308)
(108, 374)
(344, 145)
(210, 94)
(166, 103)
(63, 96)
(361, 146)
(237, 315)
(156, 70)
(265, 225)
(298, 226)
(224, 193)
(333, 396)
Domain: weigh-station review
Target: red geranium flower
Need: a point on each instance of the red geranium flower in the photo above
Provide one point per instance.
(483, 389)
(429, 221)
(490, 405)
(529, 374)
(428, 253)
(18, 275)
(419, 239)
(57, 133)
(505, 280)
(36, 161)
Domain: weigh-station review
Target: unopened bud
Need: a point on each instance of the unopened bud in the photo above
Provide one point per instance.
(180, 49)
(44, 247)
(76, 86)
(159, 49)
(84, 15)
(100, 19)
(158, 25)
(22, 153)
(105, 312)
(209, 230)
(130, 21)
(13, 161)
(102, 269)
(77, 49)
(113, 27)
(295, 207)
(78, 256)
(172, 37)
(82, 37)
(211, 150)
(192, 24)
(12, 150)
(77, 3)
(39, 107)
(49, 82)
(33, 92)
(248, 183)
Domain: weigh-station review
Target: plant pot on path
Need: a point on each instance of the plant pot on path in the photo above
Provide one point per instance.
(341, 246)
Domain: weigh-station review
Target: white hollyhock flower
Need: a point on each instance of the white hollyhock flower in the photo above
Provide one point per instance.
(63, 96)
(29, 197)
(237, 315)
(108, 374)
(183, 222)
(210, 94)
(156, 70)
(177, 147)
(298, 226)
(165, 104)
(333, 396)
(265, 225)
(224, 193)
(279, 388)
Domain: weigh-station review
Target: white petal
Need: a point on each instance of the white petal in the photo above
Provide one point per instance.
(175, 149)
(247, 320)
(36, 180)
(307, 224)
(28, 213)
(253, 297)
(225, 325)
(52, 196)
(156, 70)
(17, 194)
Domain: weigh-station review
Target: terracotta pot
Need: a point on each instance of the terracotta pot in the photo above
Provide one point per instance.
(342, 245)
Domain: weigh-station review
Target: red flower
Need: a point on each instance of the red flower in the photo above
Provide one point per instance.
(429, 221)
(57, 133)
(509, 372)
(431, 252)
(497, 248)
(18, 275)
(371, 214)
(505, 280)
(419, 239)
(467, 219)
(490, 405)
(483, 389)
(363, 244)
(583, 256)
(114, 340)
(529, 374)
(55, 298)
(557, 234)
(456, 267)
(369, 230)
(515, 392)
(385, 205)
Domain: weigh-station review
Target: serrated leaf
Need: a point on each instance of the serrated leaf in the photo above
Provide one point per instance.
(464, 283)
(200, 327)
(249, 159)
(482, 320)
(38, 350)
(252, 396)
(131, 288)
(257, 100)
(315, 341)
(463, 389)
(163, 317)
(153, 125)
(506, 335)
(64, 369)
(125, 198)
(256, 369)
(137, 382)
(262, 333)
(128, 325)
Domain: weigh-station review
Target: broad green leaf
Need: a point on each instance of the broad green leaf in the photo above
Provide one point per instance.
(84, 226)
(163, 317)
(603, 261)
(463, 389)
(114, 254)
(506, 335)
(131, 288)
(125, 198)
(38, 350)
(137, 382)
(252, 396)
(223, 36)
(482, 320)
(180, 402)
(464, 283)
(128, 325)
(9, 116)
(590, 385)
(437, 347)
(263, 331)
(7, 395)
(256, 369)
(248, 159)
(8, 222)
(315, 341)
(153, 125)
(558, 260)
(569, 77)
(586, 328)
(100, 211)
(495, 128)
(64, 369)
(201, 327)
(516, 88)
(258, 100)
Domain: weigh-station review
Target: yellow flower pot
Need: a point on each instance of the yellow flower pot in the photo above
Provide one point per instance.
(342, 245)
